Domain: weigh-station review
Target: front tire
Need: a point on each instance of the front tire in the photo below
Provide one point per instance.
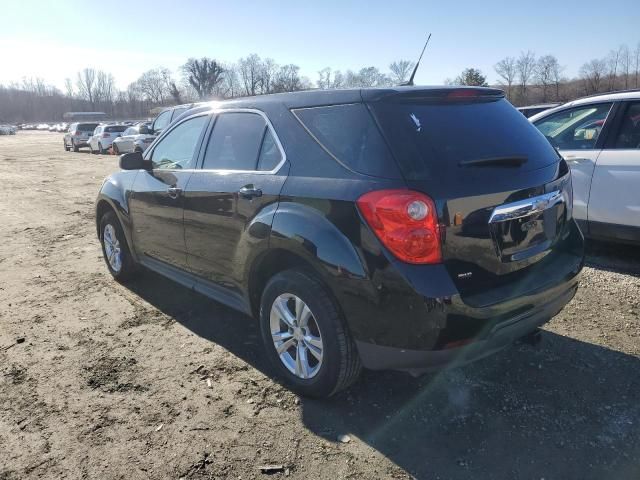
(305, 337)
(115, 249)
(114, 149)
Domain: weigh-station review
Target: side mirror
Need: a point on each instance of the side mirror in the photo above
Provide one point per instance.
(134, 161)
(144, 130)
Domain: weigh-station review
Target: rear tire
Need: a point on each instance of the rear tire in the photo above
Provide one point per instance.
(73, 145)
(101, 150)
(114, 149)
(323, 334)
(115, 249)
(66, 148)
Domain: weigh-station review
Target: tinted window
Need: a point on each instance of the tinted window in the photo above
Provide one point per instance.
(176, 150)
(349, 133)
(235, 142)
(270, 155)
(430, 140)
(575, 128)
(162, 120)
(628, 136)
(115, 128)
(87, 127)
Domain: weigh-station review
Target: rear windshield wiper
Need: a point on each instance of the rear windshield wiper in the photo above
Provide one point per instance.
(494, 162)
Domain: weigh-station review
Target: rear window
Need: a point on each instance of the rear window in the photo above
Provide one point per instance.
(115, 128)
(430, 140)
(350, 135)
(87, 127)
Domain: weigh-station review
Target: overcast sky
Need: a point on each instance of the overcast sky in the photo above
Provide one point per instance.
(55, 39)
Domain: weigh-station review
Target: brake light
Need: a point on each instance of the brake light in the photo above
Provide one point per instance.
(406, 222)
(464, 93)
(105, 135)
(76, 133)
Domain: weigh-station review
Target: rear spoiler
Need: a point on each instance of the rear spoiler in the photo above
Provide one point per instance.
(434, 94)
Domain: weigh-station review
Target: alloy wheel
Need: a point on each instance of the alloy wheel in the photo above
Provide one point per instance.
(112, 247)
(296, 336)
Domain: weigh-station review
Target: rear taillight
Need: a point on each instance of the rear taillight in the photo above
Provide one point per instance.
(76, 133)
(406, 222)
(105, 135)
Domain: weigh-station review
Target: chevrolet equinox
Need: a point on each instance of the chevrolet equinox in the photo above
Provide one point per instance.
(403, 228)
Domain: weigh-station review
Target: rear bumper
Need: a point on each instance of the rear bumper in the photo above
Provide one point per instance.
(498, 336)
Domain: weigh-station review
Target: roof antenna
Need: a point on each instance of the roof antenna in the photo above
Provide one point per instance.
(415, 69)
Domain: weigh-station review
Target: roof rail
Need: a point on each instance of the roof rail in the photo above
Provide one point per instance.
(612, 92)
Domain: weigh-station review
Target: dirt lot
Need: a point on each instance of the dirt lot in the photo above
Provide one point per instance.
(154, 381)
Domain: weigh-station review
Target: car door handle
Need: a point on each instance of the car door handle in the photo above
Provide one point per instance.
(576, 160)
(249, 192)
(174, 192)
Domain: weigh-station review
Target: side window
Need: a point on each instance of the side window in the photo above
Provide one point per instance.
(235, 142)
(575, 128)
(176, 150)
(628, 136)
(270, 155)
(162, 120)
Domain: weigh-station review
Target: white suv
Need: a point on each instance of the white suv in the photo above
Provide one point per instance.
(599, 136)
(78, 135)
(103, 137)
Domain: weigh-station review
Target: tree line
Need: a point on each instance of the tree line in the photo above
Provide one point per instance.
(525, 79)
(199, 79)
(528, 79)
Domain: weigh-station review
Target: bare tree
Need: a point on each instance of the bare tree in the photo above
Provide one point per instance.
(525, 66)
(400, 71)
(592, 74)
(545, 74)
(86, 84)
(155, 85)
(68, 86)
(204, 75)
(637, 65)
(268, 74)
(230, 86)
(625, 64)
(507, 70)
(250, 71)
(612, 61)
(288, 79)
(324, 78)
(556, 75)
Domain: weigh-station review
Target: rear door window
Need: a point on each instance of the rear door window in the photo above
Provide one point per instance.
(162, 121)
(349, 134)
(87, 127)
(115, 128)
(628, 136)
(235, 142)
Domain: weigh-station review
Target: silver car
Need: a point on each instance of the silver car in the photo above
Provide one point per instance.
(78, 135)
(133, 139)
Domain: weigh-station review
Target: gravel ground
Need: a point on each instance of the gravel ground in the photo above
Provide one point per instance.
(99, 380)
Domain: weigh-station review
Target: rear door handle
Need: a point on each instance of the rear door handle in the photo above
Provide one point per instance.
(249, 192)
(174, 192)
(576, 160)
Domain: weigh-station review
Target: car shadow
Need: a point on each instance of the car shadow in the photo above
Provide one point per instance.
(613, 257)
(564, 409)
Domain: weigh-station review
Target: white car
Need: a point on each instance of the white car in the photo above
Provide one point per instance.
(599, 137)
(78, 135)
(7, 130)
(133, 139)
(103, 136)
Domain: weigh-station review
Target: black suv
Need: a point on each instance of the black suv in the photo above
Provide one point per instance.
(402, 228)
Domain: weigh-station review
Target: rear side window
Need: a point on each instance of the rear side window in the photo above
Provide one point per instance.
(628, 136)
(162, 120)
(430, 140)
(115, 128)
(87, 127)
(349, 134)
(235, 142)
(177, 112)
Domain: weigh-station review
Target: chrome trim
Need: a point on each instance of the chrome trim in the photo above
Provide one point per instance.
(524, 208)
